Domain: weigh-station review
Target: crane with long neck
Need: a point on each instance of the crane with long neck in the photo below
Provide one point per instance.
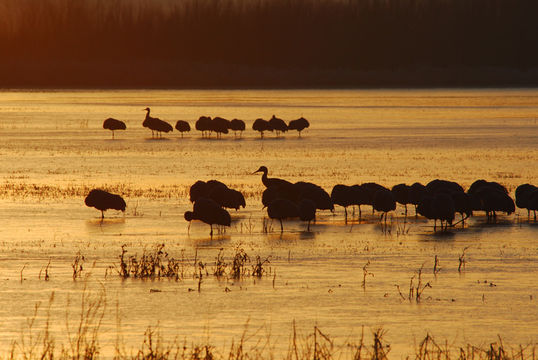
(270, 182)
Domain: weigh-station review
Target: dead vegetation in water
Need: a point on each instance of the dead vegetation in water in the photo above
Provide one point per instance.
(152, 264)
(20, 190)
(82, 330)
(82, 341)
(416, 287)
(462, 260)
(157, 263)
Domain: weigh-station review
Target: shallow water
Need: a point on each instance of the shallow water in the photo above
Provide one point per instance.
(54, 150)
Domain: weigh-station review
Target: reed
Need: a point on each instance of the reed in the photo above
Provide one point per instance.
(416, 287)
(83, 334)
(156, 263)
(78, 265)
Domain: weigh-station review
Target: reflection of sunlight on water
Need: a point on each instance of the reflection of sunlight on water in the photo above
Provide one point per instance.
(105, 225)
(388, 143)
(218, 240)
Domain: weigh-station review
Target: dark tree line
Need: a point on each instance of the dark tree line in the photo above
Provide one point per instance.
(268, 42)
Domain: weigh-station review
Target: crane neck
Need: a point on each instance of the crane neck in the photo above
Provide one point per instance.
(265, 179)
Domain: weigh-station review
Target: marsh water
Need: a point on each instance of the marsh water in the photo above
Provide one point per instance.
(53, 150)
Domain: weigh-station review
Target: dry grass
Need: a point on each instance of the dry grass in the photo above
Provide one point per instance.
(83, 327)
(157, 263)
(416, 287)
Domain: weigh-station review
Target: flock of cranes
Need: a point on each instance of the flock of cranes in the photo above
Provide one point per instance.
(207, 125)
(438, 200)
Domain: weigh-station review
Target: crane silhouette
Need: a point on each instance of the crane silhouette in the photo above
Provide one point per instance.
(237, 125)
(103, 200)
(114, 124)
(182, 126)
(156, 124)
(209, 212)
(300, 124)
(269, 182)
(278, 125)
(261, 125)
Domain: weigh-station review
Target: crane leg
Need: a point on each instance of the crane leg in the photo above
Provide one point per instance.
(102, 214)
(211, 232)
(281, 227)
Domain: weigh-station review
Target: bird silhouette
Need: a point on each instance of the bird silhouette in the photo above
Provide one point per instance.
(384, 201)
(491, 197)
(282, 209)
(261, 125)
(320, 197)
(182, 126)
(204, 125)
(278, 125)
(103, 200)
(114, 124)
(220, 126)
(462, 205)
(524, 194)
(156, 124)
(416, 192)
(307, 211)
(237, 125)
(300, 124)
(443, 209)
(438, 185)
(218, 192)
(269, 182)
(401, 195)
(342, 195)
(370, 189)
(209, 212)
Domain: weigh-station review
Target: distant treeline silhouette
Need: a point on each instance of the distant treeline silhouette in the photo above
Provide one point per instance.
(183, 43)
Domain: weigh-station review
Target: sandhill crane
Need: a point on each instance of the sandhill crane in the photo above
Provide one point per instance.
(103, 200)
(300, 124)
(220, 126)
(209, 212)
(156, 124)
(278, 125)
(261, 125)
(114, 124)
(268, 182)
(525, 194)
(182, 126)
(203, 124)
(237, 125)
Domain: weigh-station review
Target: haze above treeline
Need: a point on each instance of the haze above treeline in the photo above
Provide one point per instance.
(268, 43)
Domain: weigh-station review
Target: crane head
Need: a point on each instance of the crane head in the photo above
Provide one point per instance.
(261, 169)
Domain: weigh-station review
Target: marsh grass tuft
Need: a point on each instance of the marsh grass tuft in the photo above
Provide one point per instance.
(158, 264)
(238, 265)
(84, 327)
(257, 269)
(436, 266)
(153, 264)
(78, 266)
(365, 274)
(45, 272)
(415, 289)
(462, 260)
